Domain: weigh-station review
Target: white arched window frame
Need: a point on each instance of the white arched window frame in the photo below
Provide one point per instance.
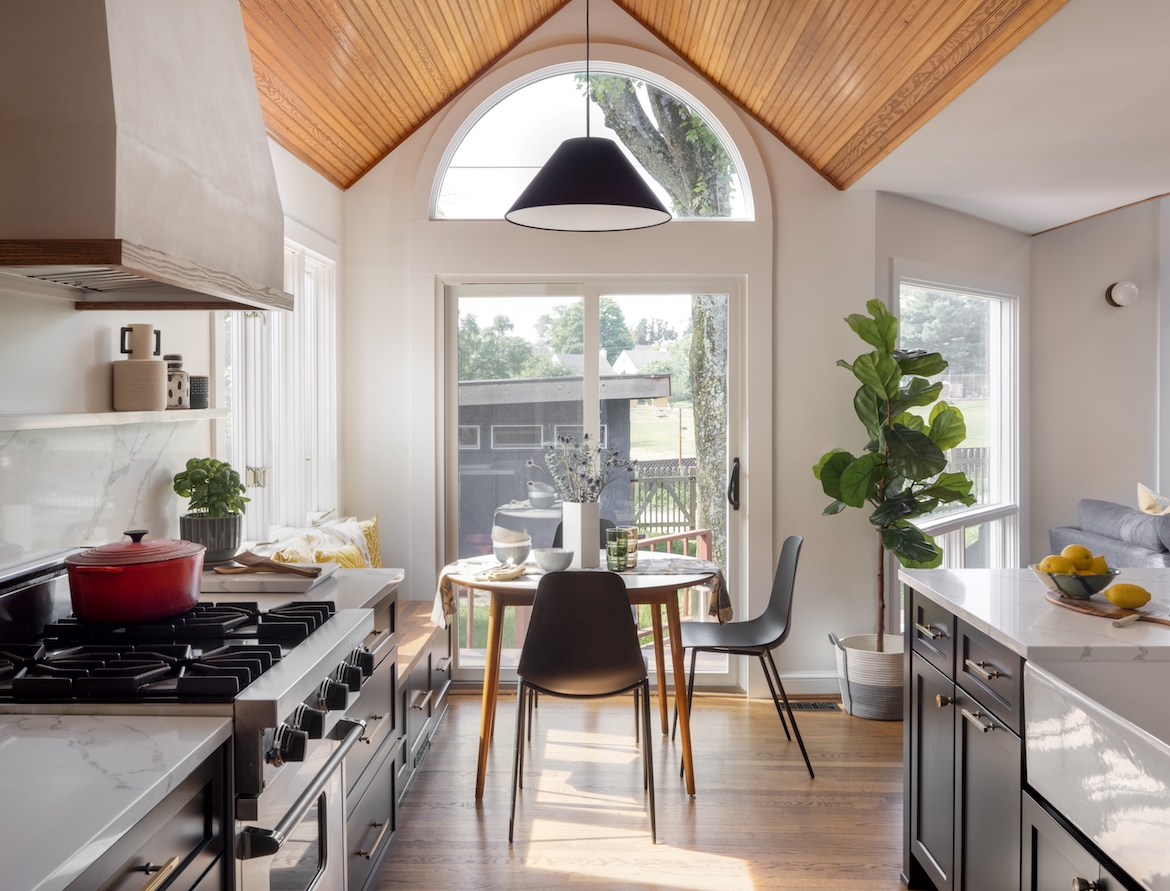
(601, 68)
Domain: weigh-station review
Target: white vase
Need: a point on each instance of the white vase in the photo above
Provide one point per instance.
(581, 533)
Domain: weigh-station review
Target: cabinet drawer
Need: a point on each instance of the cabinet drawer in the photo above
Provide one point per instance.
(992, 674)
(371, 824)
(419, 700)
(933, 633)
(441, 665)
(375, 706)
(1053, 858)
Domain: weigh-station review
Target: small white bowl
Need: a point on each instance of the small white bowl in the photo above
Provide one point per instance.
(552, 559)
(512, 552)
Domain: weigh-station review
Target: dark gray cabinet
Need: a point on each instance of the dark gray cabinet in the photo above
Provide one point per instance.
(932, 771)
(964, 756)
(1054, 860)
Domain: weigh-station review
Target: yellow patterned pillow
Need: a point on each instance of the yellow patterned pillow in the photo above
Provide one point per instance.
(370, 531)
(347, 556)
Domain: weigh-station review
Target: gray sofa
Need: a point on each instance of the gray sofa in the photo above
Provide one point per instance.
(1126, 537)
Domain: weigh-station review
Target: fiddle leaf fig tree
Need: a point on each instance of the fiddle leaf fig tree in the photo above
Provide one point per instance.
(901, 473)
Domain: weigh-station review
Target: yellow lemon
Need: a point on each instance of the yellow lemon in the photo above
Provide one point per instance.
(1079, 555)
(1054, 563)
(1127, 596)
(1098, 566)
(1087, 572)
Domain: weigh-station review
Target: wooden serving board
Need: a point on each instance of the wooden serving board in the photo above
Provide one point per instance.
(1107, 611)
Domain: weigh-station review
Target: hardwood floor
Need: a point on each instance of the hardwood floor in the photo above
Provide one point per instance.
(758, 821)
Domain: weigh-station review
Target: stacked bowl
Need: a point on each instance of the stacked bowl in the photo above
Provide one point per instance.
(510, 546)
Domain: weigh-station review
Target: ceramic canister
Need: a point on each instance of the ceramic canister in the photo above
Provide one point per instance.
(178, 387)
(140, 382)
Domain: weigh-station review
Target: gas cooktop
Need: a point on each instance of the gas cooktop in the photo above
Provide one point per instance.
(209, 654)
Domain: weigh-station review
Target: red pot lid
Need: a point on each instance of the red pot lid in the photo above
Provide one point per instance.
(140, 550)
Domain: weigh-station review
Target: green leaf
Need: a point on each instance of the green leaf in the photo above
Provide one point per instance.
(835, 508)
(855, 320)
(831, 470)
(913, 547)
(894, 509)
(876, 308)
(824, 458)
(908, 420)
(880, 371)
(920, 362)
(871, 409)
(949, 488)
(859, 479)
(940, 407)
(881, 333)
(918, 391)
(843, 364)
(947, 429)
(912, 454)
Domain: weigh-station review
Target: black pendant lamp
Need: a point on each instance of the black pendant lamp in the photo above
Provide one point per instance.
(588, 185)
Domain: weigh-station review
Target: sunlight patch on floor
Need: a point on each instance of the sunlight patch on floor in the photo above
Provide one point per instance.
(661, 865)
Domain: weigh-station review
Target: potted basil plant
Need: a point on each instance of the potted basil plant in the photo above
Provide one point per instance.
(215, 510)
(899, 475)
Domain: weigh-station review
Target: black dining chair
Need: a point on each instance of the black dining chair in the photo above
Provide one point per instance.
(755, 637)
(581, 644)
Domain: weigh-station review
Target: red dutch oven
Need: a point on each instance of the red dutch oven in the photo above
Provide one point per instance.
(129, 582)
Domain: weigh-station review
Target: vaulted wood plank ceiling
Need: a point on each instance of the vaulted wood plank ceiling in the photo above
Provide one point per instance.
(841, 82)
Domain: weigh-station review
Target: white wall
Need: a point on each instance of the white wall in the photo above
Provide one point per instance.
(1094, 366)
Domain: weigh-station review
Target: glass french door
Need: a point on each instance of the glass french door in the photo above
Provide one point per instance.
(643, 371)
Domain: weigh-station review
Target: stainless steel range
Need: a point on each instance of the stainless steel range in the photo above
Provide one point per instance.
(290, 676)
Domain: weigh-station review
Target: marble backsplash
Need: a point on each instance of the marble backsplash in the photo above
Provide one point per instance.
(83, 486)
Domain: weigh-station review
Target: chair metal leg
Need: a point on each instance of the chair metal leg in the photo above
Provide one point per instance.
(516, 769)
(648, 759)
(637, 718)
(531, 705)
(775, 698)
(791, 717)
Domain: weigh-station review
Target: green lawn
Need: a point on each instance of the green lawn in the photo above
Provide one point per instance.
(655, 432)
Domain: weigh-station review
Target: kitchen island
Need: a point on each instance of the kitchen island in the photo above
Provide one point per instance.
(75, 785)
(978, 644)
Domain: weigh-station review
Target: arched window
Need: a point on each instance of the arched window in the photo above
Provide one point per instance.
(677, 145)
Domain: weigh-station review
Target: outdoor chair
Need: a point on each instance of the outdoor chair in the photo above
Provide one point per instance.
(581, 644)
(755, 637)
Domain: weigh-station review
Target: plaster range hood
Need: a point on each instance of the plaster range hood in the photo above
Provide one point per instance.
(134, 165)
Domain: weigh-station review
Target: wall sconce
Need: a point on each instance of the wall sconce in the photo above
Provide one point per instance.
(1121, 293)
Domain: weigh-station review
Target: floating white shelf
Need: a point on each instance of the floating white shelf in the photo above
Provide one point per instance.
(106, 418)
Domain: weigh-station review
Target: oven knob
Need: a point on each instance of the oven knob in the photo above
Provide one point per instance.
(333, 696)
(364, 660)
(288, 745)
(310, 720)
(350, 675)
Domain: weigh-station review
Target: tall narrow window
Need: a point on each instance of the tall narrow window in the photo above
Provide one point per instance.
(281, 391)
(974, 333)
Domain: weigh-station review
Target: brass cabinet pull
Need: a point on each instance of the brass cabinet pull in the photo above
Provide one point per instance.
(372, 719)
(973, 718)
(421, 699)
(943, 701)
(980, 668)
(385, 825)
(929, 631)
(161, 873)
(1080, 884)
(443, 664)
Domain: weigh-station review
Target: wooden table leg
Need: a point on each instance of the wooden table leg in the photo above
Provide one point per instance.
(660, 665)
(674, 627)
(491, 685)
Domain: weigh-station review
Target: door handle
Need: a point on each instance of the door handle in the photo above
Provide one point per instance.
(733, 485)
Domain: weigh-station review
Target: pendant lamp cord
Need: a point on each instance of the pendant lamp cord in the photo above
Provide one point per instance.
(588, 82)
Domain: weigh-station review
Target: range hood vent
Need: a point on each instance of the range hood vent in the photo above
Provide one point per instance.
(134, 165)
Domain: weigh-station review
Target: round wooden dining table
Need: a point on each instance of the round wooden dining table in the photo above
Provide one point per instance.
(656, 581)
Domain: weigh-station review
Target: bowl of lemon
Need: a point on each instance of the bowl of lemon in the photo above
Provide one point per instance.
(1075, 572)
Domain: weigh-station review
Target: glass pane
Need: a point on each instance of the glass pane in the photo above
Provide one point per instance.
(977, 546)
(667, 405)
(965, 329)
(296, 865)
(520, 364)
(677, 153)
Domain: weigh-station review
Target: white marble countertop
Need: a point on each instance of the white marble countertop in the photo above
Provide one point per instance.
(1009, 605)
(348, 588)
(75, 784)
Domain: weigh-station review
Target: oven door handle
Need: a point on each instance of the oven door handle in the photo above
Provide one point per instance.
(257, 842)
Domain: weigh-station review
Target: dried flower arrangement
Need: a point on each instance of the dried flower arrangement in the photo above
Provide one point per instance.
(579, 470)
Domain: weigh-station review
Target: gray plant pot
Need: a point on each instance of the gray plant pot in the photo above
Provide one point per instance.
(221, 535)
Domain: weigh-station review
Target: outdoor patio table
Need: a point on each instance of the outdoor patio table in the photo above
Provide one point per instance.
(656, 581)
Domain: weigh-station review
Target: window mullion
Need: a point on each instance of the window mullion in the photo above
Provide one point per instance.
(591, 385)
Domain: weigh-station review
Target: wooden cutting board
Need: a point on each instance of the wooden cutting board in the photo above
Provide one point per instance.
(1107, 610)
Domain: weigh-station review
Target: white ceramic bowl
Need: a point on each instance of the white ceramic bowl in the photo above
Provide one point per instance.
(541, 495)
(552, 559)
(513, 551)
